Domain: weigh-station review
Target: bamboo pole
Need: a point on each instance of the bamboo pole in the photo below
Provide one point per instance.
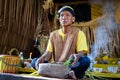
(1, 9)
(74, 2)
(39, 21)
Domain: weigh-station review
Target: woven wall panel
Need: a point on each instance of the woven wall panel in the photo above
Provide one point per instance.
(18, 21)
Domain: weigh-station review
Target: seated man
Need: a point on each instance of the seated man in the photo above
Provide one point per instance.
(67, 42)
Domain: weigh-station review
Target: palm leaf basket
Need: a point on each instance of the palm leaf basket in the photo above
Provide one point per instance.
(9, 63)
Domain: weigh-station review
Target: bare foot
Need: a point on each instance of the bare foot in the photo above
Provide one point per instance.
(72, 74)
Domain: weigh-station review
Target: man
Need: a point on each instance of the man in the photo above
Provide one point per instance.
(67, 42)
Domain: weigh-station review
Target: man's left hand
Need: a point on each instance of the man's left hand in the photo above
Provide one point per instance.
(75, 58)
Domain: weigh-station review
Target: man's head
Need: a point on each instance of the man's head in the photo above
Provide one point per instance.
(66, 8)
(66, 15)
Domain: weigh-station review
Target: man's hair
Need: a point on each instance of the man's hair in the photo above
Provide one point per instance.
(65, 8)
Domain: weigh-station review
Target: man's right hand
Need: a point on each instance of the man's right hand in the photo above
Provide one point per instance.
(45, 57)
(39, 60)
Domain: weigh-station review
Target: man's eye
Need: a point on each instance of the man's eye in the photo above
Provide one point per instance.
(67, 15)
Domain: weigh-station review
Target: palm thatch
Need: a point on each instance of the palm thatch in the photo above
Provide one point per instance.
(18, 21)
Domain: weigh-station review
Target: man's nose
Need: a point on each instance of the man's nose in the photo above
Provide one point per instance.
(64, 17)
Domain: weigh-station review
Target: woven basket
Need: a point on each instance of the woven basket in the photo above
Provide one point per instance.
(9, 63)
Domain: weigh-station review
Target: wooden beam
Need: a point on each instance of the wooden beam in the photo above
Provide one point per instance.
(71, 3)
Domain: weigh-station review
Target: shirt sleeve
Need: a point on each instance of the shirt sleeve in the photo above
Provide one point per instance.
(49, 46)
(81, 42)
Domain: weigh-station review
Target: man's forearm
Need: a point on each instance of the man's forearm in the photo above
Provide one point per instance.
(80, 53)
(46, 56)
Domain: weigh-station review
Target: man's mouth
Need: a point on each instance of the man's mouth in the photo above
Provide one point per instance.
(64, 21)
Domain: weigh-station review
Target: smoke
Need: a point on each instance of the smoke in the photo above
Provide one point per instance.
(106, 39)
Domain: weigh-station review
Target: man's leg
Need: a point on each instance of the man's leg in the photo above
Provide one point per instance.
(81, 67)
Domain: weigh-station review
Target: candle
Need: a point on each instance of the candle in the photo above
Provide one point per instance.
(30, 57)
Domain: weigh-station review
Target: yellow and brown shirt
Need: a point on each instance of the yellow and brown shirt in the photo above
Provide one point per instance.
(61, 44)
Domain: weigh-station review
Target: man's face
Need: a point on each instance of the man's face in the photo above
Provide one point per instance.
(66, 18)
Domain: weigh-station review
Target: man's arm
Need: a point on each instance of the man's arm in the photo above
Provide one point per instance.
(45, 57)
(76, 57)
(81, 47)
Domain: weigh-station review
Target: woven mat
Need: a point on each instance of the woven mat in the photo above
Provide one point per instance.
(7, 76)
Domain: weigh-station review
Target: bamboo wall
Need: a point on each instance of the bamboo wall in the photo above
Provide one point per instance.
(18, 21)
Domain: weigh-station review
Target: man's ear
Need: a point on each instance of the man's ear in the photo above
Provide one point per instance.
(73, 20)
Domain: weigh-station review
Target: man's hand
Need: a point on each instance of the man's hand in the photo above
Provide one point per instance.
(76, 57)
(39, 60)
(45, 57)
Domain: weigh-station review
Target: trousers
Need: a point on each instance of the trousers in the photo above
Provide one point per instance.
(81, 67)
